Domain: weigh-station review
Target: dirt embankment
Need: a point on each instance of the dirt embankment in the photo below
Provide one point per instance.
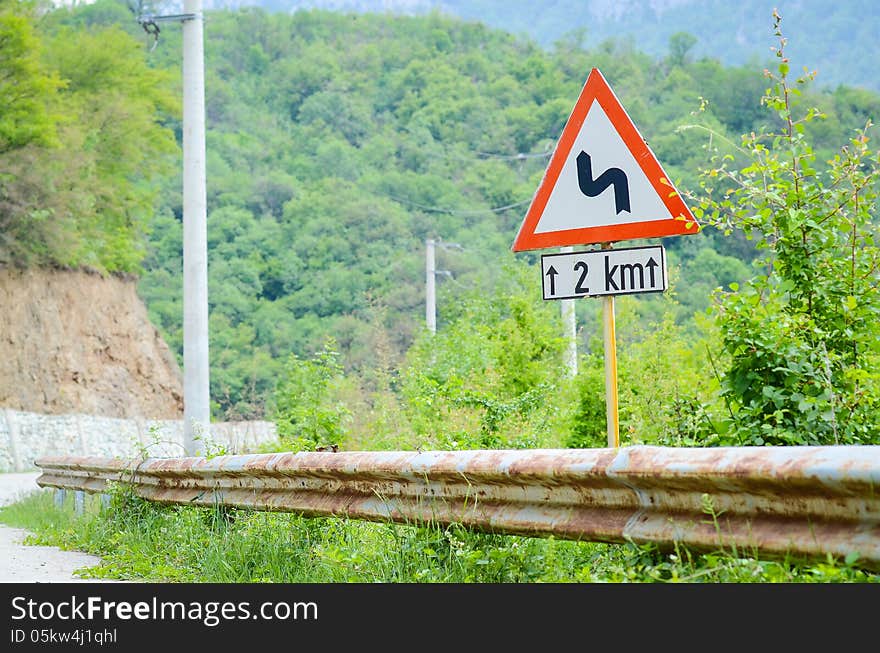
(74, 342)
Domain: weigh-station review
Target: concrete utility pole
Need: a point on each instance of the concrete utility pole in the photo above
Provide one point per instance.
(431, 273)
(196, 383)
(570, 323)
(430, 287)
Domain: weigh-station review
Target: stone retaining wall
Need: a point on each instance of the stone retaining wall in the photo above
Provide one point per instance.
(25, 437)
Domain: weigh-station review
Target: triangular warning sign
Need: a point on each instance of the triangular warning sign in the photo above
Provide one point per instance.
(603, 183)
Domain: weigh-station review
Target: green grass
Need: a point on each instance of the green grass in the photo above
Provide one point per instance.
(138, 540)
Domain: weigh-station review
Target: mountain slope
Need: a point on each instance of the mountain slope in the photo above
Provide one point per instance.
(837, 38)
(337, 143)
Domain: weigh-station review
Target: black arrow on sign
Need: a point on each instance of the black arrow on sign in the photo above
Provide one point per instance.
(651, 264)
(611, 177)
(551, 272)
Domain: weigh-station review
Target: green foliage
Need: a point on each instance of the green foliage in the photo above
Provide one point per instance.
(702, 271)
(667, 390)
(28, 91)
(492, 377)
(680, 45)
(78, 183)
(27, 87)
(588, 426)
(305, 409)
(142, 541)
(802, 334)
(117, 102)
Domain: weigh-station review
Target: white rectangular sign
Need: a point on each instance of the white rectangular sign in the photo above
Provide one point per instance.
(604, 272)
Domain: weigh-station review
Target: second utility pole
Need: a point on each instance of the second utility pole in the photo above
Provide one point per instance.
(430, 287)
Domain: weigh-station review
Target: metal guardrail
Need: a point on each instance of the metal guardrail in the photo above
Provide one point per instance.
(802, 502)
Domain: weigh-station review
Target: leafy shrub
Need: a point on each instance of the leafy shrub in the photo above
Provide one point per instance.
(306, 411)
(802, 334)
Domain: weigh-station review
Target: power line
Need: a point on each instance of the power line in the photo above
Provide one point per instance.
(489, 156)
(517, 157)
(440, 209)
(483, 156)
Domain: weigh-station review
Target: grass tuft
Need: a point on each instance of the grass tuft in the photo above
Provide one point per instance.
(139, 540)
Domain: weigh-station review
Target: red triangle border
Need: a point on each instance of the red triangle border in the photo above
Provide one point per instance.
(597, 88)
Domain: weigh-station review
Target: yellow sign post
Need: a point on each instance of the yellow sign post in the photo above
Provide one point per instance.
(612, 418)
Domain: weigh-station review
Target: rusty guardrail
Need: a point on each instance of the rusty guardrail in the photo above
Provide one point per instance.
(773, 501)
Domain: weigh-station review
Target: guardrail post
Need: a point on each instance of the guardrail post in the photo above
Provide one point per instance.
(60, 495)
(105, 500)
(79, 499)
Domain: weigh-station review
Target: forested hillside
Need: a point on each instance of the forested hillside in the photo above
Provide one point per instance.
(336, 145)
(838, 38)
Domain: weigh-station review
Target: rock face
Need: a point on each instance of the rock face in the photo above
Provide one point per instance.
(75, 342)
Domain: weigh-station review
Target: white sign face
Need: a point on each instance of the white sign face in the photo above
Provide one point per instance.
(601, 183)
(604, 272)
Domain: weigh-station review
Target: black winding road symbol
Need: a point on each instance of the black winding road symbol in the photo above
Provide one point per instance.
(611, 177)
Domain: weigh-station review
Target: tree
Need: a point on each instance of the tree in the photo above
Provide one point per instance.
(27, 88)
(86, 201)
(27, 121)
(680, 45)
(801, 336)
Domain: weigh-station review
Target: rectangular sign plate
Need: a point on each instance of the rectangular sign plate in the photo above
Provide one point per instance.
(604, 272)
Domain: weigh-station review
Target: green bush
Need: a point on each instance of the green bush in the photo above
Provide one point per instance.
(306, 411)
(801, 336)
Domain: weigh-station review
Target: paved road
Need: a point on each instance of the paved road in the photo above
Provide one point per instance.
(20, 563)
